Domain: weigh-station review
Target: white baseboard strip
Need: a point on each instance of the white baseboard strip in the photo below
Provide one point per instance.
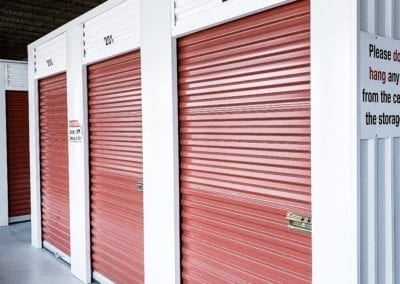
(18, 219)
(58, 253)
(101, 278)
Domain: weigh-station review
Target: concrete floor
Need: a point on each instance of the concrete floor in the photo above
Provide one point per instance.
(20, 263)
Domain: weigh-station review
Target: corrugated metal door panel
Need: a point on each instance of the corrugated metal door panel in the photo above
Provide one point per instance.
(115, 121)
(244, 113)
(54, 161)
(19, 197)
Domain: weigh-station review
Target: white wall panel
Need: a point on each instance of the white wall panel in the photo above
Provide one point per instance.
(78, 154)
(16, 75)
(194, 15)
(50, 57)
(334, 135)
(3, 151)
(160, 123)
(113, 32)
(380, 173)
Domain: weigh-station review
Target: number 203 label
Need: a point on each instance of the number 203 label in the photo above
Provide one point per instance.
(108, 40)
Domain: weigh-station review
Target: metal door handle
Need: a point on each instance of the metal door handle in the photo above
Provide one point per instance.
(139, 186)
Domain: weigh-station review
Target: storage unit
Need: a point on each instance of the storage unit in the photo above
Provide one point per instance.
(240, 122)
(244, 114)
(14, 144)
(115, 137)
(115, 133)
(49, 146)
(263, 116)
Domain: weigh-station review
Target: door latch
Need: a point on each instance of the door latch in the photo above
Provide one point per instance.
(139, 186)
(299, 223)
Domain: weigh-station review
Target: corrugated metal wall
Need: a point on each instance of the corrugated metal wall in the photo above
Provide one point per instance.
(380, 172)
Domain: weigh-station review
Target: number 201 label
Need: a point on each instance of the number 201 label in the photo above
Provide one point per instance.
(49, 62)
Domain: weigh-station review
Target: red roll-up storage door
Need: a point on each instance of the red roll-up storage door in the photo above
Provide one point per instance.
(19, 196)
(54, 162)
(115, 120)
(244, 91)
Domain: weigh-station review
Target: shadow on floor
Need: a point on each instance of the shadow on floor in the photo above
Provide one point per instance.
(20, 263)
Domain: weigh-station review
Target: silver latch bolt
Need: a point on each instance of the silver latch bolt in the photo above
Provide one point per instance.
(299, 223)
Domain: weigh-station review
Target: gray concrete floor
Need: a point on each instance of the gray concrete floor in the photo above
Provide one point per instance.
(20, 263)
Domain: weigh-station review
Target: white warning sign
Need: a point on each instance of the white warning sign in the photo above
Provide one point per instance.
(75, 131)
(379, 92)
